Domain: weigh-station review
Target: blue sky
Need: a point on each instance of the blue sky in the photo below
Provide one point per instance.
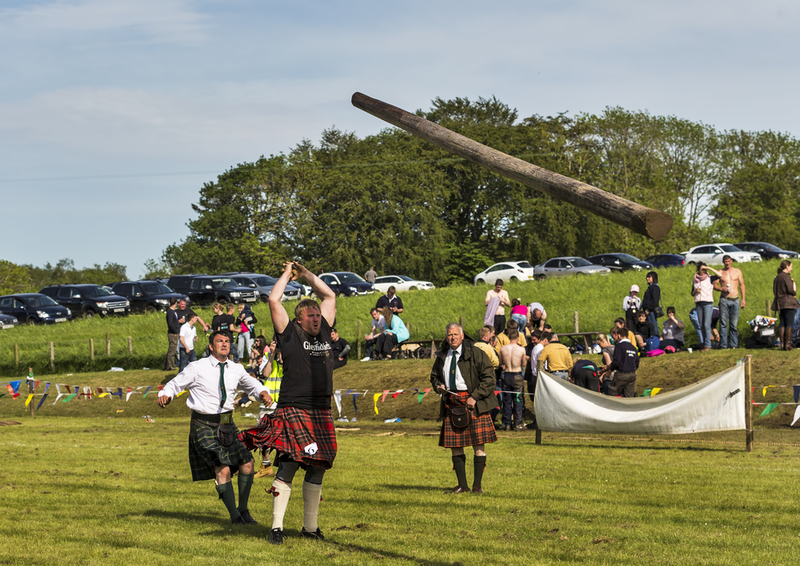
(113, 113)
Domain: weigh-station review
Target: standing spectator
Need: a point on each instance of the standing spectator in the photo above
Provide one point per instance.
(499, 296)
(631, 305)
(394, 334)
(339, 349)
(607, 351)
(651, 299)
(503, 337)
(463, 376)
(625, 363)
(730, 285)
(184, 312)
(693, 317)
(555, 358)
(391, 301)
(484, 344)
(673, 331)
(785, 291)
(512, 358)
(703, 293)
(223, 320)
(173, 334)
(378, 326)
(530, 364)
(188, 337)
(537, 316)
(519, 313)
(371, 275)
(245, 324)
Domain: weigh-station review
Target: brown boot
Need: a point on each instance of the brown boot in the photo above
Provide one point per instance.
(786, 339)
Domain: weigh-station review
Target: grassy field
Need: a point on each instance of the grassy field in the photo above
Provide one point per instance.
(597, 299)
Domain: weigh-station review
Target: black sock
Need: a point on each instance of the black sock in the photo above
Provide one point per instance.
(245, 483)
(225, 491)
(460, 468)
(480, 464)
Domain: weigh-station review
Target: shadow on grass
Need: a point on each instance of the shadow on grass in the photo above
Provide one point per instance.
(379, 553)
(398, 487)
(223, 525)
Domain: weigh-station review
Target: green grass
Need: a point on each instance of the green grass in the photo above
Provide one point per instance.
(598, 300)
(97, 490)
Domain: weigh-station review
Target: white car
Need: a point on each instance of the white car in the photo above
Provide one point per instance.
(712, 254)
(401, 283)
(507, 271)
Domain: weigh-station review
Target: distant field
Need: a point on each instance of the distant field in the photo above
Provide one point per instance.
(598, 300)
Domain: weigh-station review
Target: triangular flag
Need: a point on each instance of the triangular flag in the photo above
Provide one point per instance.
(796, 392)
(15, 386)
(647, 392)
(146, 391)
(769, 409)
(58, 390)
(11, 392)
(385, 393)
(654, 391)
(375, 398)
(28, 400)
(130, 392)
(764, 392)
(100, 393)
(396, 393)
(421, 396)
(337, 396)
(796, 415)
(42, 401)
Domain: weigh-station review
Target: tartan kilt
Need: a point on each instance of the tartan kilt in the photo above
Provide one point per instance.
(289, 429)
(480, 429)
(205, 452)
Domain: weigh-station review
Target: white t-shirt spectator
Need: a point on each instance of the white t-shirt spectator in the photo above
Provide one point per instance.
(188, 333)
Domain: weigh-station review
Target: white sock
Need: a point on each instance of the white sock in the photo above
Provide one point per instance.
(280, 502)
(312, 494)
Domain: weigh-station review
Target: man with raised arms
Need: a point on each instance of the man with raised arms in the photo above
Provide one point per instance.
(301, 428)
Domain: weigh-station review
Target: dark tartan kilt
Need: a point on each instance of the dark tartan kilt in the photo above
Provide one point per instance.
(480, 429)
(205, 452)
(289, 430)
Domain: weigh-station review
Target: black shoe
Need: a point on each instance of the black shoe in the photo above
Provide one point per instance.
(275, 536)
(317, 535)
(248, 518)
(239, 521)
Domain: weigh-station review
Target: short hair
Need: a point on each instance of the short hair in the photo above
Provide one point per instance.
(173, 301)
(620, 332)
(391, 289)
(641, 314)
(216, 333)
(454, 325)
(334, 330)
(372, 310)
(499, 282)
(512, 325)
(231, 308)
(654, 275)
(513, 334)
(620, 320)
(484, 331)
(546, 336)
(537, 334)
(670, 309)
(304, 305)
(726, 256)
(182, 300)
(548, 327)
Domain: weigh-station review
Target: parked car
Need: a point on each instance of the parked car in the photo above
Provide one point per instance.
(667, 260)
(205, 289)
(7, 321)
(345, 283)
(564, 266)
(264, 284)
(712, 254)
(34, 308)
(400, 283)
(766, 250)
(88, 300)
(620, 262)
(146, 296)
(507, 271)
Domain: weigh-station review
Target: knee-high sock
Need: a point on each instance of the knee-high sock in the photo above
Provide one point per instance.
(245, 483)
(282, 492)
(225, 491)
(312, 493)
(460, 468)
(480, 464)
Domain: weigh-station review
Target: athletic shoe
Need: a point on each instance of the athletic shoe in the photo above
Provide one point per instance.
(265, 471)
(366, 359)
(248, 518)
(275, 536)
(316, 535)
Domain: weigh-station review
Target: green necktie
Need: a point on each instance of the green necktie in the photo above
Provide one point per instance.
(453, 362)
(223, 392)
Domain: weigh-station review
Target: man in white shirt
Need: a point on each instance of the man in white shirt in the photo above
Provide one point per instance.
(215, 452)
(187, 338)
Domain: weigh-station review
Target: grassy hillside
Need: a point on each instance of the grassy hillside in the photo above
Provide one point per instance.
(598, 300)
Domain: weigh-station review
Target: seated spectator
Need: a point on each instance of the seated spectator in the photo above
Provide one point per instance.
(519, 313)
(395, 334)
(631, 305)
(378, 326)
(340, 349)
(390, 301)
(620, 323)
(673, 331)
(646, 337)
(537, 316)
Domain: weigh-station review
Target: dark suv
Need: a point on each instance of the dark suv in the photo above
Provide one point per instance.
(88, 300)
(264, 283)
(147, 296)
(205, 289)
(34, 308)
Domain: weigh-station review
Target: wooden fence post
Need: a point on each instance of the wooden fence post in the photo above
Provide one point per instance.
(130, 345)
(358, 338)
(108, 344)
(52, 357)
(91, 348)
(768, 307)
(461, 321)
(748, 415)
(433, 348)
(16, 358)
(575, 318)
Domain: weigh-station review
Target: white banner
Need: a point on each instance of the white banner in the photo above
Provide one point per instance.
(715, 403)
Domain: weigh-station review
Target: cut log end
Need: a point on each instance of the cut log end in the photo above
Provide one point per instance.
(657, 224)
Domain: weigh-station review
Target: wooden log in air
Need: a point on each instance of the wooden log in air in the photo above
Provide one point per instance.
(649, 222)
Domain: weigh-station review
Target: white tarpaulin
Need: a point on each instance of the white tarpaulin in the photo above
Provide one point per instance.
(716, 403)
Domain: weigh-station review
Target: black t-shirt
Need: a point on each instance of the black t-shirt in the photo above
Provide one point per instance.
(223, 322)
(307, 367)
(338, 347)
(385, 301)
(184, 314)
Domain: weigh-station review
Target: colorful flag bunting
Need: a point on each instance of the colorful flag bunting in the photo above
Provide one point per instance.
(375, 398)
(770, 407)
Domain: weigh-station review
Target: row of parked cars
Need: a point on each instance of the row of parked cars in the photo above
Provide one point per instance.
(61, 303)
(710, 254)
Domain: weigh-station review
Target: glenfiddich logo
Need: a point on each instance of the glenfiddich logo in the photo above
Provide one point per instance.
(317, 348)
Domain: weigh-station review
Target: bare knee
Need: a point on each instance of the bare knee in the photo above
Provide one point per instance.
(247, 468)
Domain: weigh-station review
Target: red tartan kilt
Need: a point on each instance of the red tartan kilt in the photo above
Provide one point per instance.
(480, 429)
(289, 430)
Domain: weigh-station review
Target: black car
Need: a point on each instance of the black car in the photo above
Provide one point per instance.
(620, 262)
(34, 308)
(667, 260)
(766, 250)
(88, 300)
(345, 283)
(8, 321)
(147, 296)
(205, 289)
(264, 284)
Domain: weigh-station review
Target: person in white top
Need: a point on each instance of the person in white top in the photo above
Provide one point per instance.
(502, 299)
(215, 452)
(537, 316)
(187, 338)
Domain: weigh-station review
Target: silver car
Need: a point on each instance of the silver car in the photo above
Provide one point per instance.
(564, 266)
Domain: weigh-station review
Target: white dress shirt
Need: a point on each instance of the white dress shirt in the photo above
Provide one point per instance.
(461, 385)
(535, 358)
(201, 379)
